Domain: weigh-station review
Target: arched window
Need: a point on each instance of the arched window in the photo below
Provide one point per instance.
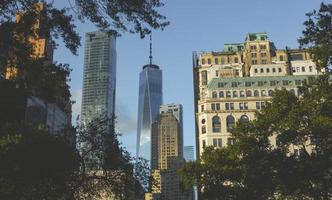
(249, 93)
(221, 94)
(230, 121)
(235, 94)
(216, 125)
(263, 92)
(244, 119)
(270, 92)
(256, 93)
(242, 94)
(228, 94)
(214, 95)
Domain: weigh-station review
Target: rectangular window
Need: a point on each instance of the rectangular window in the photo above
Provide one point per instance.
(285, 82)
(236, 59)
(231, 105)
(262, 104)
(303, 69)
(248, 84)
(262, 70)
(246, 106)
(273, 83)
(217, 106)
(281, 58)
(264, 61)
(204, 77)
(234, 84)
(215, 142)
(203, 61)
(298, 82)
(202, 108)
(209, 61)
(310, 68)
(227, 106)
(213, 106)
(263, 54)
(256, 70)
(260, 83)
(203, 144)
(241, 106)
(263, 46)
(254, 62)
(219, 142)
(279, 70)
(273, 70)
(267, 70)
(258, 105)
(221, 84)
(217, 73)
(216, 61)
(230, 141)
(253, 47)
(254, 55)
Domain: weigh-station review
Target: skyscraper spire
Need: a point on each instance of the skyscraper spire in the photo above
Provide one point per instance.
(150, 49)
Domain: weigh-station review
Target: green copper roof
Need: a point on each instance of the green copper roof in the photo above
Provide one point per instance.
(256, 36)
(217, 83)
(233, 47)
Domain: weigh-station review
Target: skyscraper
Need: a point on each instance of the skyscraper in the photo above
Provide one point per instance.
(99, 81)
(149, 100)
(167, 154)
(177, 111)
(188, 153)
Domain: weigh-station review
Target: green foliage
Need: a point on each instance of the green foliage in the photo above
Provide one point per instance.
(256, 168)
(35, 164)
(317, 35)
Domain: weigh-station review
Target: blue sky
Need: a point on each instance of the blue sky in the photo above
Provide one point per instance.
(196, 25)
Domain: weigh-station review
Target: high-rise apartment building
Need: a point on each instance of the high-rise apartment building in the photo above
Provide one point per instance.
(233, 84)
(149, 100)
(188, 153)
(99, 76)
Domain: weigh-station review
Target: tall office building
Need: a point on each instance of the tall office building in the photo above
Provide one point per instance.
(167, 155)
(149, 100)
(235, 83)
(177, 111)
(99, 77)
(188, 153)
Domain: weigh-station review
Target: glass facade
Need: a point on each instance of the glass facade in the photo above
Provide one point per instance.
(99, 77)
(150, 98)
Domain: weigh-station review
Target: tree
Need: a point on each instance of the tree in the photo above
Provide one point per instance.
(35, 164)
(317, 35)
(51, 23)
(285, 153)
(38, 165)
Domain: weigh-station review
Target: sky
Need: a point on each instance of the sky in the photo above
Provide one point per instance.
(195, 25)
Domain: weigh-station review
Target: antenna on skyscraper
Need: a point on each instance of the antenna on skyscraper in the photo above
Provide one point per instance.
(150, 49)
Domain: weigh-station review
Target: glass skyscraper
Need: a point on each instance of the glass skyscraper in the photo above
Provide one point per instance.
(99, 77)
(150, 98)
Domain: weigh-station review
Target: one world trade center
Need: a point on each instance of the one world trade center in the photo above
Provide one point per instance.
(149, 101)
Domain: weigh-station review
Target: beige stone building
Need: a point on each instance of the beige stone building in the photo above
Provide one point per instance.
(233, 84)
(167, 157)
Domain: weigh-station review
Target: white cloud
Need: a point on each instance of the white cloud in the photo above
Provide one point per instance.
(126, 123)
